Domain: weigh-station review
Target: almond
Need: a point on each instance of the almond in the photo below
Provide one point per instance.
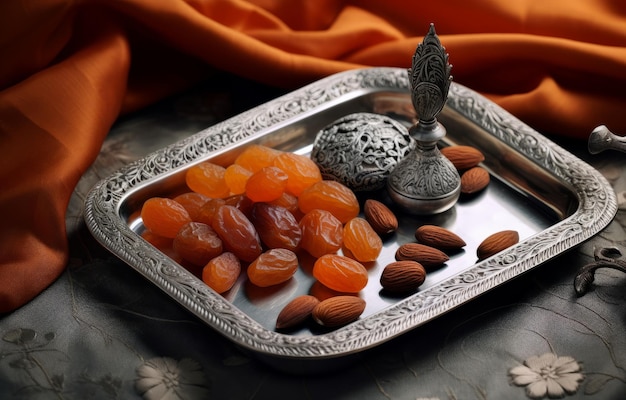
(296, 311)
(338, 310)
(380, 217)
(474, 180)
(438, 237)
(463, 157)
(402, 276)
(426, 255)
(496, 243)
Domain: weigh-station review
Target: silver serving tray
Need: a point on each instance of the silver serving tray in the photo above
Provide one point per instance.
(552, 198)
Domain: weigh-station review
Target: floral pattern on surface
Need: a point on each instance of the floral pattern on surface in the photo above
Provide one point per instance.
(165, 378)
(548, 375)
(34, 357)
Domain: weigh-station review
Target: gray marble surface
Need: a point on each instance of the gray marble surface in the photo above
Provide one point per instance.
(101, 331)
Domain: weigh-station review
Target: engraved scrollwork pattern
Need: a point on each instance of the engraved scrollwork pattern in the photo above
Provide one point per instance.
(415, 176)
(597, 207)
(430, 77)
(591, 188)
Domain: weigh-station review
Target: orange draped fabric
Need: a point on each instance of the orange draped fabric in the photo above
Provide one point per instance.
(68, 69)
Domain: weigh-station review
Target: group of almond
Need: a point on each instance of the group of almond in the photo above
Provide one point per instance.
(408, 272)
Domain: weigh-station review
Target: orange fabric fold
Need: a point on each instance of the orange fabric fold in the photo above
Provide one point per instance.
(70, 68)
(52, 124)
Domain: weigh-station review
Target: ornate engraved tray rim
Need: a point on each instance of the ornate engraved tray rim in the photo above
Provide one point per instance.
(596, 208)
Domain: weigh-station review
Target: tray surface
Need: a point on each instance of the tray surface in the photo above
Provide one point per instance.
(554, 200)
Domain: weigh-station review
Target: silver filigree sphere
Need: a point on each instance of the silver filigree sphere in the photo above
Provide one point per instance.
(425, 182)
(361, 149)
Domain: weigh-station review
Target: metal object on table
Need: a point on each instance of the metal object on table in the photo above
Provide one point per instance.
(361, 149)
(425, 182)
(605, 257)
(601, 139)
(547, 187)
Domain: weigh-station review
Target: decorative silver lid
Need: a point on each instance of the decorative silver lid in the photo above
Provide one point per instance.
(425, 182)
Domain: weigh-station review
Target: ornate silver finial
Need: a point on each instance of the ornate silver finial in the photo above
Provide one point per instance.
(425, 182)
(430, 78)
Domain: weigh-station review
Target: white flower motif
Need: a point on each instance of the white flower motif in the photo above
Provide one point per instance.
(548, 375)
(164, 378)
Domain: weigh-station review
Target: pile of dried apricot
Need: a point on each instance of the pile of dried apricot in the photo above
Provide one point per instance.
(256, 215)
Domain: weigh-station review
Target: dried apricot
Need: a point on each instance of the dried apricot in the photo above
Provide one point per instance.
(301, 170)
(207, 178)
(267, 184)
(360, 238)
(241, 202)
(340, 273)
(238, 234)
(221, 273)
(236, 177)
(276, 226)
(331, 196)
(160, 242)
(197, 243)
(207, 211)
(192, 202)
(255, 157)
(322, 233)
(164, 216)
(289, 201)
(273, 267)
